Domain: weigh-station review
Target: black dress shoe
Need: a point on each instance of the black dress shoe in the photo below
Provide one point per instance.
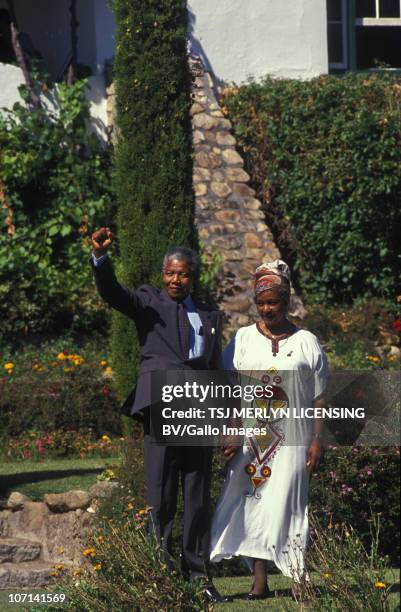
(255, 596)
(213, 596)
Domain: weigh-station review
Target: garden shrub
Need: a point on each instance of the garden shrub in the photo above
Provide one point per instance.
(54, 189)
(153, 165)
(355, 483)
(57, 386)
(325, 157)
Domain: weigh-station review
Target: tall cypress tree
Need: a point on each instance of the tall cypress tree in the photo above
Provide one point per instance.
(153, 165)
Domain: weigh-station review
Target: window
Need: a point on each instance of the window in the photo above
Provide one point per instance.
(364, 34)
(337, 33)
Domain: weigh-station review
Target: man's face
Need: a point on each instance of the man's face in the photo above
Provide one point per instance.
(177, 279)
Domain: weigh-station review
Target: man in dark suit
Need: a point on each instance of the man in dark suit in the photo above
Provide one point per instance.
(174, 334)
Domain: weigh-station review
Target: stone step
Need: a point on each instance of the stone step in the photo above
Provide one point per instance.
(23, 575)
(17, 550)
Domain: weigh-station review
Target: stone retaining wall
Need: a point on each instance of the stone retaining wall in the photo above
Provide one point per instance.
(228, 217)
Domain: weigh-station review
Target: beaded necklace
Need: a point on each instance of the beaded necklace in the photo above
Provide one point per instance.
(274, 338)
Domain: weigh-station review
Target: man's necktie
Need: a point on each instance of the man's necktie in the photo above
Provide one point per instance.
(183, 327)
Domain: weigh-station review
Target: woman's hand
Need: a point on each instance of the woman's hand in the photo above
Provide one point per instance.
(314, 455)
(230, 445)
(101, 240)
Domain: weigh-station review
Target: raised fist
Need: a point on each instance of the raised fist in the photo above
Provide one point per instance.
(101, 240)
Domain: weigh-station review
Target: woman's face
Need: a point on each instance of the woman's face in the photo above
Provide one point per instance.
(271, 307)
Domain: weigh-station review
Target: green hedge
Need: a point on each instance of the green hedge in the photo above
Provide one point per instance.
(54, 189)
(325, 156)
(153, 166)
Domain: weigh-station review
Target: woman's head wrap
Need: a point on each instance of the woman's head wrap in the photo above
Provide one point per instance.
(272, 275)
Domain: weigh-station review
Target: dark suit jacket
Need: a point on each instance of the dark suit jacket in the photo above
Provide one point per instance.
(156, 320)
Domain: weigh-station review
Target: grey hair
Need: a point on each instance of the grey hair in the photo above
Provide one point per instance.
(181, 253)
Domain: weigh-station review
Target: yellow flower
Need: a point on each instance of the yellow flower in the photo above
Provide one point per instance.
(106, 438)
(32, 434)
(392, 358)
(67, 369)
(103, 363)
(326, 575)
(53, 573)
(373, 358)
(35, 366)
(62, 356)
(61, 550)
(59, 567)
(9, 366)
(77, 571)
(108, 371)
(89, 552)
(100, 538)
(76, 359)
(97, 567)
(130, 506)
(380, 585)
(142, 512)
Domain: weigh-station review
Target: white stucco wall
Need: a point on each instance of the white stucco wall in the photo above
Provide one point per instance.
(242, 38)
(10, 79)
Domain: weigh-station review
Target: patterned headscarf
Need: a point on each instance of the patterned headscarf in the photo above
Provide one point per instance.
(274, 274)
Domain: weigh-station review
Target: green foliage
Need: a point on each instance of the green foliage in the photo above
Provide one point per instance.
(153, 167)
(326, 158)
(356, 482)
(353, 577)
(58, 385)
(54, 185)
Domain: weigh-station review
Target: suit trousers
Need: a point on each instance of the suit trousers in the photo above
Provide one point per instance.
(165, 467)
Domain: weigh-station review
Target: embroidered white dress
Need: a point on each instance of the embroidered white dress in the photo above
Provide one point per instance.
(262, 511)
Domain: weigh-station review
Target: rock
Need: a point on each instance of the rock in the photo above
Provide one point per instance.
(205, 121)
(218, 176)
(200, 189)
(234, 256)
(102, 489)
(201, 174)
(227, 242)
(17, 500)
(63, 502)
(196, 108)
(253, 240)
(225, 139)
(15, 550)
(221, 230)
(220, 189)
(224, 124)
(237, 304)
(210, 136)
(252, 203)
(256, 253)
(232, 157)
(255, 214)
(394, 352)
(228, 215)
(296, 308)
(243, 190)
(197, 137)
(217, 113)
(25, 575)
(237, 175)
(207, 160)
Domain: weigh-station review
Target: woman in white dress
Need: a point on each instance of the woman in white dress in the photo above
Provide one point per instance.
(262, 512)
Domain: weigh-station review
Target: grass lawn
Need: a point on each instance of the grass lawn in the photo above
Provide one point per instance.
(239, 586)
(35, 478)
